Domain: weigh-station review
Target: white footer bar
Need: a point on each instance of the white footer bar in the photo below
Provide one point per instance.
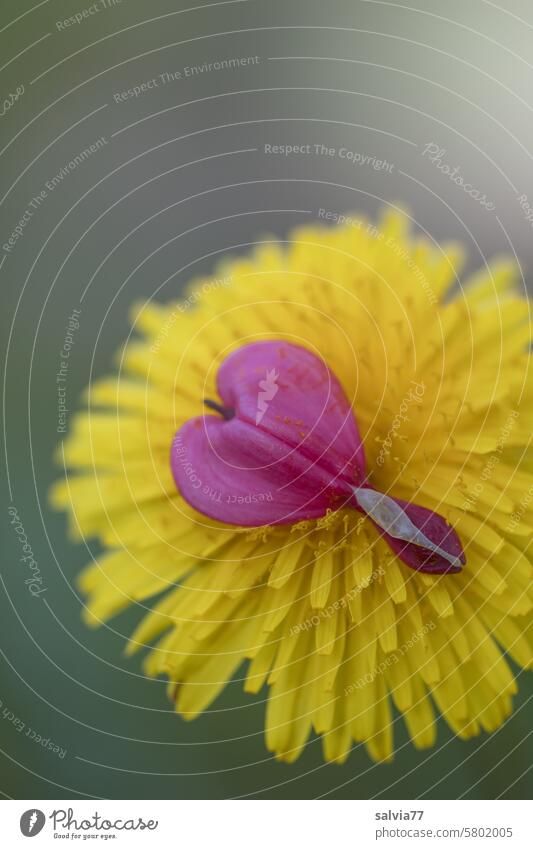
(268, 824)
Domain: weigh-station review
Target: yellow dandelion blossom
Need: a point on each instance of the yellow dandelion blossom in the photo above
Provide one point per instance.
(322, 612)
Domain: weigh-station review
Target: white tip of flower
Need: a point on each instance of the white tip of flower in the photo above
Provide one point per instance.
(388, 514)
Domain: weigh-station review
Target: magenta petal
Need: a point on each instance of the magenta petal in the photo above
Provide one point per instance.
(290, 393)
(439, 532)
(286, 449)
(425, 523)
(234, 472)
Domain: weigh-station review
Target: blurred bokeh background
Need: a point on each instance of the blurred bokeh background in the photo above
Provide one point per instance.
(179, 179)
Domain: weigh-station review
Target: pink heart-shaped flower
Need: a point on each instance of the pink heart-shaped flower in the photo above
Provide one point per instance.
(285, 447)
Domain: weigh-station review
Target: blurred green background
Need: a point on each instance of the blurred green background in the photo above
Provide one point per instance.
(182, 179)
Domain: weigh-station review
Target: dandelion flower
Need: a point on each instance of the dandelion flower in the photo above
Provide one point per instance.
(314, 471)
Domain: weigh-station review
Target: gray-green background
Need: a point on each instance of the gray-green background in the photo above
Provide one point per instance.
(186, 180)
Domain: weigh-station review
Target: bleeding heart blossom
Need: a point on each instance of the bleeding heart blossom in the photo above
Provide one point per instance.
(284, 447)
